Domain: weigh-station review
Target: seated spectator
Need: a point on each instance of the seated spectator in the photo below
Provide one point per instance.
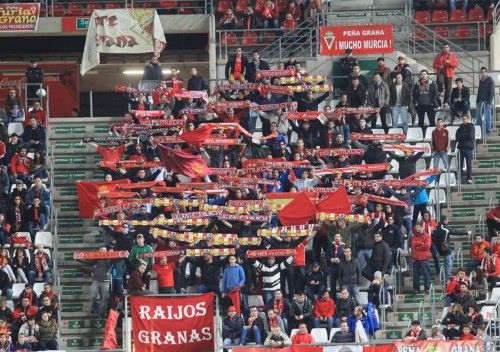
(464, 298)
(302, 337)
(22, 344)
(491, 266)
(478, 285)
(47, 333)
(15, 115)
(324, 310)
(135, 284)
(48, 292)
(272, 320)
(493, 221)
(315, 282)
(453, 286)
(5, 285)
(228, 21)
(289, 22)
(453, 320)
(436, 334)
(281, 307)
(300, 311)
(34, 136)
(249, 18)
(20, 166)
(29, 329)
(277, 338)
(38, 190)
(477, 251)
(37, 113)
(254, 328)
(5, 263)
(270, 14)
(344, 336)
(48, 307)
(37, 217)
(5, 312)
(5, 344)
(475, 318)
(30, 294)
(345, 306)
(459, 100)
(11, 100)
(467, 334)
(22, 313)
(416, 333)
(20, 265)
(41, 266)
(232, 326)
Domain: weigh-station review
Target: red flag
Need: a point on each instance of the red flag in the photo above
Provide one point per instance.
(184, 163)
(88, 195)
(109, 342)
(234, 296)
(298, 212)
(336, 202)
(197, 136)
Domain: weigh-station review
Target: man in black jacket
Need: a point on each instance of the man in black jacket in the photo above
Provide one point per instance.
(232, 326)
(425, 98)
(356, 93)
(404, 69)
(343, 336)
(465, 137)
(407, 163)
(308, 103)
(34, 77)
(350, 274)
(484, 101)
(459, 100)
(255, 65)
(196, 82)
(380, 259)
(315, 282)
(344, 306)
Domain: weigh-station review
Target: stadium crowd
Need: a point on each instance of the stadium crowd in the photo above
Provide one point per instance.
(300, 136)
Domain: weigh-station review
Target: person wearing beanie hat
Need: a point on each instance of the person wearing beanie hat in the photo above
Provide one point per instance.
(416, 333)
(232, 325)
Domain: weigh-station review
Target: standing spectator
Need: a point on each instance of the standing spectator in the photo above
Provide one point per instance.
(137, 250)
(379, 97)
(301, 311)
(420, 254)
(277, 338)
(270, 14)
(347, 63)
(383, 71)
(391, 234)
(444, 65)
(356, 93)
(232, 326)
(440, 142)
(41, 266)
(416, 333)
(491, 267)
(196, 82)
(229, 21)
(380, 259)
(34, 79)
(484, 101)
(236, 65)
(460, 100)
(425, 98)
(441, 243)
(405, 70)
(254, 327)
(153, 72)
(335, 255)
(315, 282)
(324, 310)
(400, 100)
(466, 138)
(233, 276)
(344, 336)
(350, 274)
(270, 272)
(135, 283)
(407, 162)
(38, 113)
(302, 337)
(165, 274)
(356, 73)
(254, 66)
(493, 221)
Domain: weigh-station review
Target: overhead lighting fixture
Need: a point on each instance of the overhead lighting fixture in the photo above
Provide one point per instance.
(140, 72)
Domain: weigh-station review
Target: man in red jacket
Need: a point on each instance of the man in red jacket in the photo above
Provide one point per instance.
(440, 142)
(477, 251)
(420, 254)
(302, 337)
(324, 310)
(445, 64)
(23, 312)
(20, 166)
(491, 266)
(493, 221)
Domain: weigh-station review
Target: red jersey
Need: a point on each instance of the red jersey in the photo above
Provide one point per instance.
(165, 274)
(111, 154)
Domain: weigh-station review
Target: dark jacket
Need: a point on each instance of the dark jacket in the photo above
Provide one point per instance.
(466, 136)
(374, 154)
(152, 72)
(465, 301)
(347, 64)
(319, 276)
(306, 309)
(310, 105)
(441, 238)
(381, 257)
(251, 69)
(230, 65)
(464, 94)
(232, 327)
(340, 337)
(405, 70)
(391, 235)
(486, 90)
(197, 83)
(426, 94)
(405, 95)
(350, 273)
(37, 134)
(344, 307)
(421, 336)
(357, 97)
(34, 75)
(378, 96)
(407, 164)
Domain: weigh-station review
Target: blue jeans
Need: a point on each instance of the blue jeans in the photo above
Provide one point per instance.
(487, 109)
(453, 4)
(268, 296)
(397, 111)
(329, 323)
(353, 290)
(466, 155)
(421, 267)
(256, 334)
(203, 288)
(334, 275)
(440, 156)
(7, 294)
(448, 264)
(47, 276)
(407, 222)
(231, 342)
(363, 257)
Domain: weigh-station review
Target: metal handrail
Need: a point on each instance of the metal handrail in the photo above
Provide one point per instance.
(494, 324)
(496, 16)
(432, 293)
(421, 315)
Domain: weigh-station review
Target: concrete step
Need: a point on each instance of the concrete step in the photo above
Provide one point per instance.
(473, 196)
(75, 341)
(459, 212)
(70, 177)
(486, 149)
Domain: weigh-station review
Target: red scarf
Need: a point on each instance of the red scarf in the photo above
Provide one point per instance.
(237, 67)
(278, 306)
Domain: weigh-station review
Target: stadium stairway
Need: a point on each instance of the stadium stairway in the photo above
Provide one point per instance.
(74, 161)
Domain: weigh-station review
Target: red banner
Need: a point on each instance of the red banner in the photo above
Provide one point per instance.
(61, 79)
(19, 17)
(362, 39)
(164, 324)
(441, 346)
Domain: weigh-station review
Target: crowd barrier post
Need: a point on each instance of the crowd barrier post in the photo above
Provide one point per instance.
(91, 103)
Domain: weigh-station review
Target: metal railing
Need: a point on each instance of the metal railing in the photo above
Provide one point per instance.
(496, 16)
(432, 293)
(493, 326)
(421, 314)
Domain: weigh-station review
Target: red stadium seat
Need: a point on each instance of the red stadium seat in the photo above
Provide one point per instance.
(419, 33)
(249, 38)
(457, 15)
(75, 10)
(462, 31)
(439, 16)
(269, 37)
(167, 4)
(442, 31)
(57, 10)
(259, 5)
(91, 7)
(149, 5)
(475, 15)
(489, 15)
(229, 38)
(223, 5)
(486, 31)
(241, 6)
(112, 5)
(422, 16)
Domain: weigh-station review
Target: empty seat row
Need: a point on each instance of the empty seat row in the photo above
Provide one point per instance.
(77, 9)
(462, 31)
(248, 38)
(458, 15)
